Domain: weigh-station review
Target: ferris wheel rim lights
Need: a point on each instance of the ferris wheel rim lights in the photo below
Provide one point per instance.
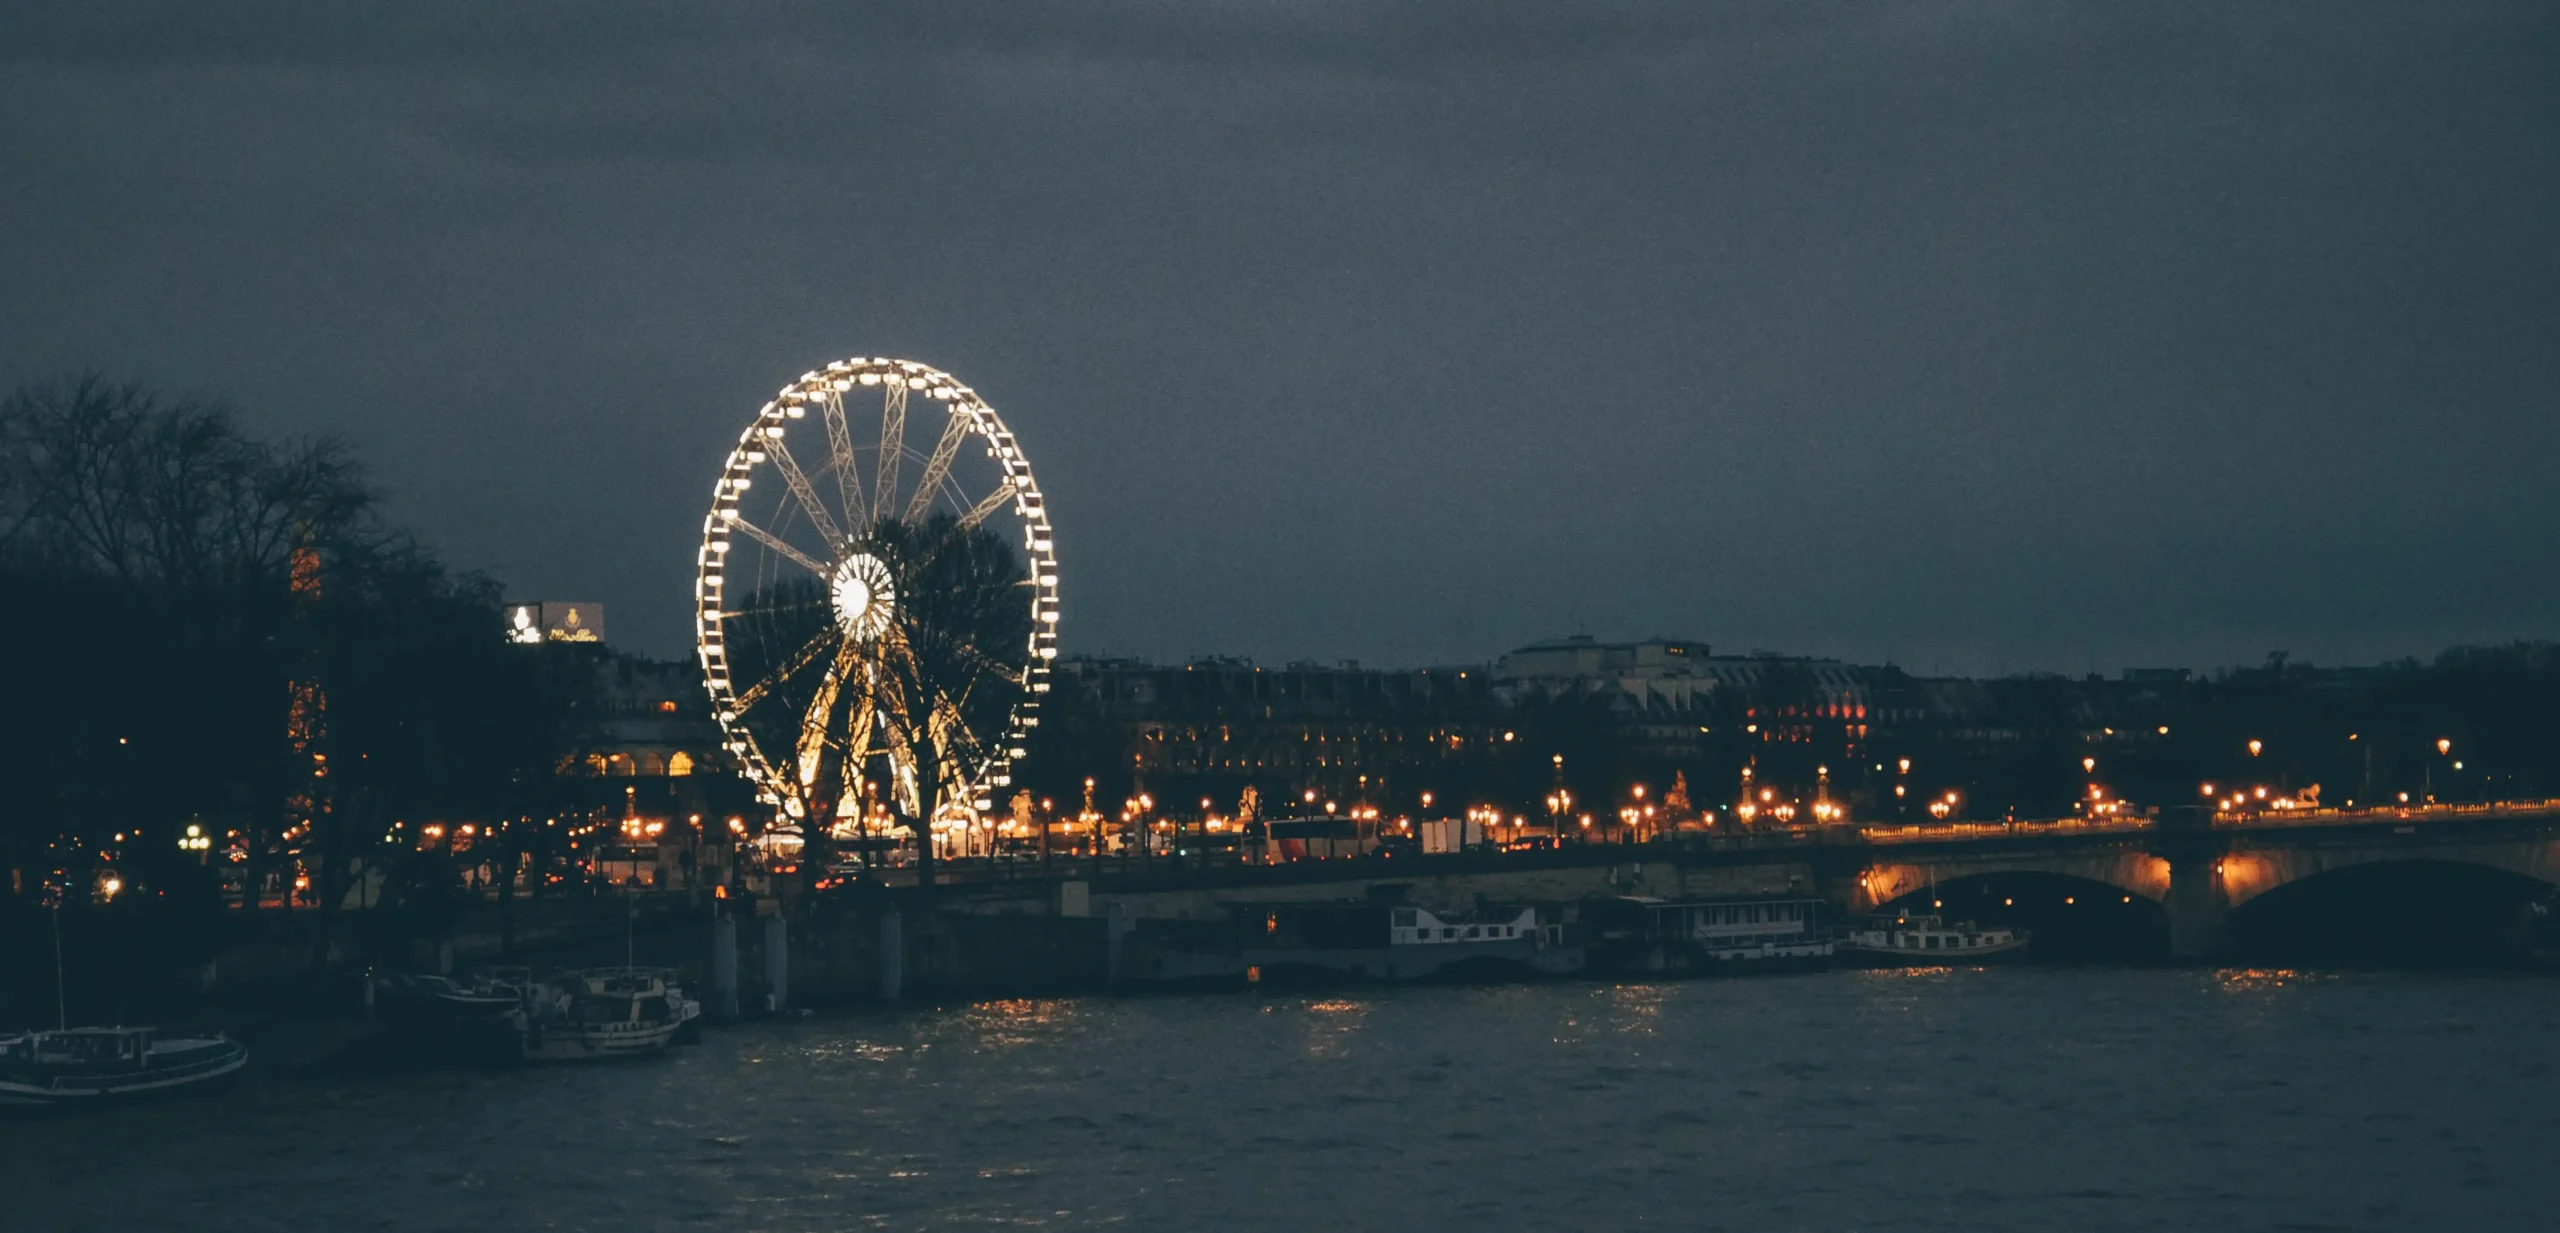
(760, 450)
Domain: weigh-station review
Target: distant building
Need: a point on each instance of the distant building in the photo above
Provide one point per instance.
(2158, 676)
(1211, 727)
(1676, 679)
(653, 777)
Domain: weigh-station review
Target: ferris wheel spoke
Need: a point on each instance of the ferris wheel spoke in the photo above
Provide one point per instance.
(782, 547)
(793, 607)
(964, 750)
(894, 743)
(814, 722)
(840, 458)
(802, 658)
(938, 467)
(996, 500)
(1011, 675)
(893, 446)
(857, 735)
(798, 482)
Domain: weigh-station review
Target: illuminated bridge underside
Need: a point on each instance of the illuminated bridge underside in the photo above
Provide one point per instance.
(2200, 873)
(2131, 869)
(2241, 863)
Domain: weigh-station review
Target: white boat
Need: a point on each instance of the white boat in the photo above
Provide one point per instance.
(1373, 941)
(91, 1065)
(1929, 941)
(604, 1013)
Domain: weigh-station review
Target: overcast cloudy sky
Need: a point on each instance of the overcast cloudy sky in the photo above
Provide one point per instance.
(1984, 336)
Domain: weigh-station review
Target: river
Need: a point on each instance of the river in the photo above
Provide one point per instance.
(2028, 1098)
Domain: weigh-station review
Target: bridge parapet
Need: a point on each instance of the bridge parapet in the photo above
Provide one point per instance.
(1942, 832)
(2389, 815)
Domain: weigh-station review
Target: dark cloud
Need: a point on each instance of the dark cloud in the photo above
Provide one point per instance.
(2023, 335)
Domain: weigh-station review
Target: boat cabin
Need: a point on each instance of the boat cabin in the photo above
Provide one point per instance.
(1927, 933)
(1421, 927)
(1718, 924)
(94, 1048)
(1380, 926)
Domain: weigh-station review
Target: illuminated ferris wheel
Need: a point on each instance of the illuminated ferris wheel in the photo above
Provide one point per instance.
(876, 620)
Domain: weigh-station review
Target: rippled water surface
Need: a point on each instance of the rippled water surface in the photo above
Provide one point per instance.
(2043, 1099)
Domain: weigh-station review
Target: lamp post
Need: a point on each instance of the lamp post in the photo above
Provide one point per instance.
(1557, 803)
(1093, 820)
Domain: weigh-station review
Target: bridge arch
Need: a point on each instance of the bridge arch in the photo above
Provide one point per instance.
(1886, 881)
(2064, 915)
(2417, 908)
(2248, 871)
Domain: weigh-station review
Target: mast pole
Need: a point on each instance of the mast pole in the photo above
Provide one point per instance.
(61, 1003)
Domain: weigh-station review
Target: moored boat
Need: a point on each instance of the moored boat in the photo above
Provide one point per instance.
(409, 993)
(92, 1065)
(1398, 943)
(605, 1013)
(1635, 936)
(436, 1018)
(1909, 941)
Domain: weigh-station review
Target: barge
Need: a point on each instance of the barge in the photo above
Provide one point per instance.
(1638, 936)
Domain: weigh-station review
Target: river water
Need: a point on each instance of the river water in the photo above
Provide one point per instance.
(2029, 1098)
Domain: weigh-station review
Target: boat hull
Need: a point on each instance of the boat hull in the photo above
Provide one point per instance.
(1492, 962)
(27, 1088)
(1677, 961)
(1856, 955)
(555, 1042)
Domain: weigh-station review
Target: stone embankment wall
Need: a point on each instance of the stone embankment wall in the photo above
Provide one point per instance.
(1458, 892)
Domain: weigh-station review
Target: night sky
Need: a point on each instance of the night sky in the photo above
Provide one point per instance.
(1982, 337)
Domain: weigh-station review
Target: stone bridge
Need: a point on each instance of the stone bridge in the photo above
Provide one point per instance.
(2200, 867)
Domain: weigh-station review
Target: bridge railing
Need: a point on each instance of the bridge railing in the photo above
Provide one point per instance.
(2439, 812)
(1940, 832)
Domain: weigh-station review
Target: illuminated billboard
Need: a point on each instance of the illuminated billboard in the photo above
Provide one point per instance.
(555, 622)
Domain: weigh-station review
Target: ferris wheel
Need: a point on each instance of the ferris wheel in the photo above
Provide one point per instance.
(876, 621)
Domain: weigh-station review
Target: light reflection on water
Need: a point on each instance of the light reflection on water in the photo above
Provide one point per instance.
(1017, 1022)
(1918, 1098)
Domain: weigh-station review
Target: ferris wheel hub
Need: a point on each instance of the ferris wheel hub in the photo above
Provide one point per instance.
(864, 596)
